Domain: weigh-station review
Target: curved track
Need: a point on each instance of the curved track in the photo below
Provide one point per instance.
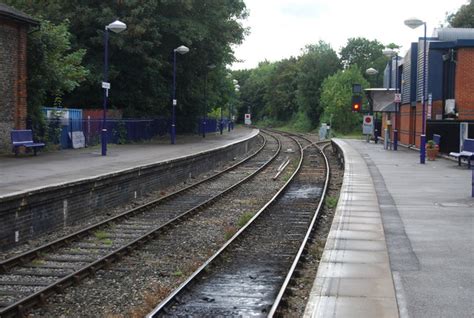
(30, 278)
(248, 276)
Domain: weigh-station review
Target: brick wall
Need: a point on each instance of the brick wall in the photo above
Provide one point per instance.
(464, 93)
(406, 125)
(25, 216)
(13, 105)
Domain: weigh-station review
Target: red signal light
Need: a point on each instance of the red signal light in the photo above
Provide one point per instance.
(356, 103)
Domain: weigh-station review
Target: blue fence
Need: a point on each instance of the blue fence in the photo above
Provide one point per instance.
(65, 125)
(212, 124)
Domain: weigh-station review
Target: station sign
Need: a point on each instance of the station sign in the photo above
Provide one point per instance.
(368, 125)
(248, 119)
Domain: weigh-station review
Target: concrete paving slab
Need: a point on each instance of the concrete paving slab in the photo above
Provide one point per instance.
(355, 245)
(360, 227)
(428, 218)
(341, 307)
(359, 287)
(354, 277)
(26, 173)
(349, 256)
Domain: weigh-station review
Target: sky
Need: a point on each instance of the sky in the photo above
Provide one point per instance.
(282, 28)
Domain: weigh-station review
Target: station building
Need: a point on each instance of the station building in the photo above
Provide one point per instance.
(449, 85)
(14, 27)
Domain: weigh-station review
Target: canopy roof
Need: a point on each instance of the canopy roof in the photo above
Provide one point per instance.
(381, 99)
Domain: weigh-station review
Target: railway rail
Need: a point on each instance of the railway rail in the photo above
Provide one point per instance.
(248, 276)
(31, 277)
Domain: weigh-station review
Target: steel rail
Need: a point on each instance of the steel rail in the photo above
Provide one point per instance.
(5, 265)
(18, 308)
(308, 232)
(201, 270)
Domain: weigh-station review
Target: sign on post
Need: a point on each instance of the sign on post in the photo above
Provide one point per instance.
(398, 98)
(248, 119)
(368, 125)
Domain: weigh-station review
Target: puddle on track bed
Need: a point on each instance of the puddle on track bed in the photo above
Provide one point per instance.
(303, 192)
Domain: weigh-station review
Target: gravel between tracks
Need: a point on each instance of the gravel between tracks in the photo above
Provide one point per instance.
(105, 214)
(133, 286)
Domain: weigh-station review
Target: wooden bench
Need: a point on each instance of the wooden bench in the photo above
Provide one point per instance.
(24, 138)
(466, 153)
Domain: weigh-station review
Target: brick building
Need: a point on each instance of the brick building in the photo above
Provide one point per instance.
(14, 26)
(449, 87)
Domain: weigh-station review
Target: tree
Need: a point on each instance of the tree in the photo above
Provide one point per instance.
(254, 85)
(464, 17)
(366, 54)
(317, 62)
(336, 99)
(280, 97)
(141, 57)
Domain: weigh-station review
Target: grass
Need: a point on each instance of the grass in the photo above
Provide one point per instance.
(106, 241)
(101, 235)
(229, 232)
(178, 273)
(244, 218)
(37, 262)
(331, 202)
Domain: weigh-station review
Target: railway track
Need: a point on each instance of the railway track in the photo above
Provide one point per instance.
(248, 276)
(31, 277)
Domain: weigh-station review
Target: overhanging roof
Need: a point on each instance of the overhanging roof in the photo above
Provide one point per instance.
(14, 14)
(381, 99)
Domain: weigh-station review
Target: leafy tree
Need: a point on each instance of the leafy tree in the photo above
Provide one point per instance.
(366, 54)
(280, 96)
(317, 62)
(53, 68)
(464, 17)
(336, 99)
(141, 58)
(254, 85)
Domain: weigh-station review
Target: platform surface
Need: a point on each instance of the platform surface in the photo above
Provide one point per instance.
(28, 172)
(421, 215)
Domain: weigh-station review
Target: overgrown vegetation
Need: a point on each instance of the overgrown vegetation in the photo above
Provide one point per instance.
(244, 218)
(331, 202)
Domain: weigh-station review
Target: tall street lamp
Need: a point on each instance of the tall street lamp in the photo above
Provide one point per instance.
(414, 23)
(392, 53)
(115, 27)
(230, 125)
(181, 50)
(236, 89)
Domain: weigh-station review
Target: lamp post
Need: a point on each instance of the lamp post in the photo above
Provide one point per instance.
(236, 89)
(181, 50)
(414, 23)
(116, 27)
(392, 53)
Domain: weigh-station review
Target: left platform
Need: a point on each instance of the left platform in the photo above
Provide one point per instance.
(52, 190)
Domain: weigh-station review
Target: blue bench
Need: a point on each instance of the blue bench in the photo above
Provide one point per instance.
(24, 138)
(466, 153)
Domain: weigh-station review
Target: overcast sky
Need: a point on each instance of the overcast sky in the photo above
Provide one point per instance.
(281, 28)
